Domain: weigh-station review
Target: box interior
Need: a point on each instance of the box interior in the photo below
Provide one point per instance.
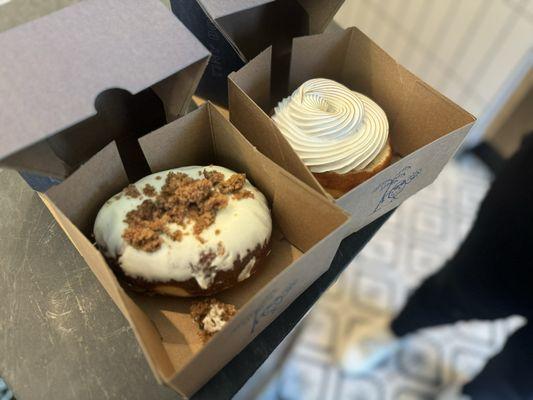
(162, 324)
(351, 58)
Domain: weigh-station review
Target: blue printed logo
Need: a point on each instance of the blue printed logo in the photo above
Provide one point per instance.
(271, 304)
(391, 189)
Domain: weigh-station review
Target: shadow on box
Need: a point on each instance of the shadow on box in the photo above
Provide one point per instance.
(120, 116)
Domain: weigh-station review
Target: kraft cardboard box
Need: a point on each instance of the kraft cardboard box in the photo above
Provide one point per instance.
(235, 31)
(81, 90)
(426, 128)
(307, 229)
(88, 73)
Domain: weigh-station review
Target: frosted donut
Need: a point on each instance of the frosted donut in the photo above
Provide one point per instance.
(190, 231)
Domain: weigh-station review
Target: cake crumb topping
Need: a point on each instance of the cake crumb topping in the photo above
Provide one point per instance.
(181, 200)
(233, 184)
(243, 194)
(214, 177)
(132, 191)
(149, 190)
(211, 315)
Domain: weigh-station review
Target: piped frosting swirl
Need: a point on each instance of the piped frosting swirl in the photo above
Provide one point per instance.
(332, 128)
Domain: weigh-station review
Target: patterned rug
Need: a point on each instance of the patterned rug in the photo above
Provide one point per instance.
(5, 393)
(415, 242)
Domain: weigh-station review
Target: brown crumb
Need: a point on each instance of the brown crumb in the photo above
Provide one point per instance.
(243, 194)
(194, 192)
(202, 220)
(181, 200)
(132, 191)
(214, 177)
(149, 190)
(200, 239)
(142, 238)
(216, 202)
(234, 183)
(217, 231)
(177, 235)
(217, 313)
(158, 177)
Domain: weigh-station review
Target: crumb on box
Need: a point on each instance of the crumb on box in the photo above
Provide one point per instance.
(211, 315)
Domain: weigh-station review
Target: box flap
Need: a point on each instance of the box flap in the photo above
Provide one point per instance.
(55, 67)
(320, 12)
(246, 25)
(14, 13)
(218, 9)
(236, 31)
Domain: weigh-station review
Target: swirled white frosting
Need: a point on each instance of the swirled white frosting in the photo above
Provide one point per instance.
(331, 127)
(239, 227)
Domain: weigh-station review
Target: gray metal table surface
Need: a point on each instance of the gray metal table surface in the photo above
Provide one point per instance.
(62, 337)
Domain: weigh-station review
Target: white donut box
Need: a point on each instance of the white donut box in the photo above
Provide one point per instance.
(50, 121)
(426, 128)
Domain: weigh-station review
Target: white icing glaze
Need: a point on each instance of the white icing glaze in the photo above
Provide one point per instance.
(213, 321)
(331, 127)
(247, 270)
(242, 225)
